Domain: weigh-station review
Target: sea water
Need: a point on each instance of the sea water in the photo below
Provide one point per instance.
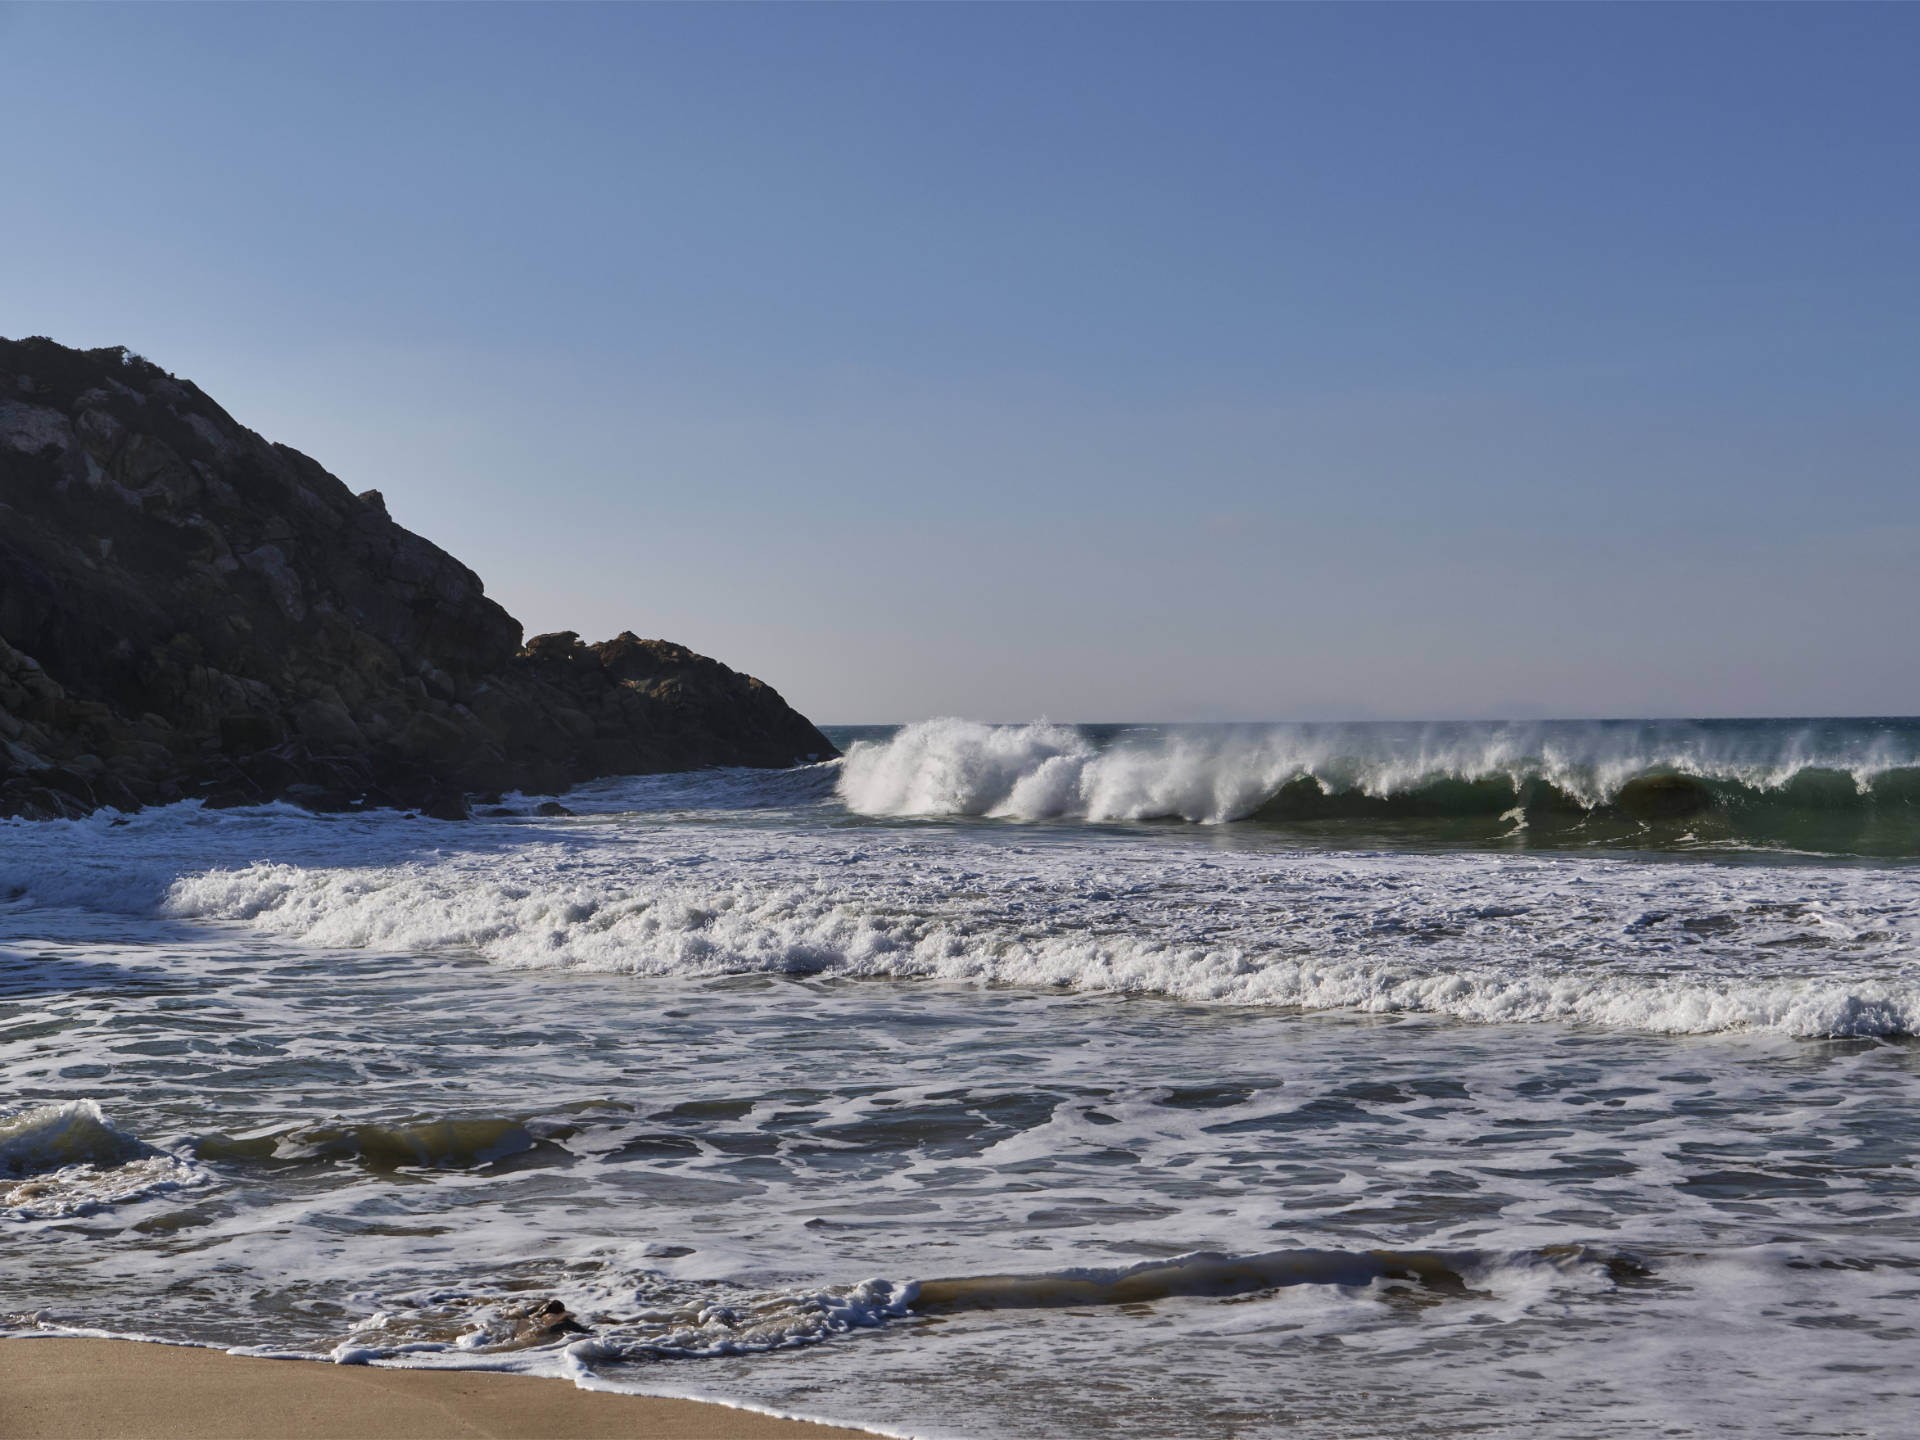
(1036, 1080)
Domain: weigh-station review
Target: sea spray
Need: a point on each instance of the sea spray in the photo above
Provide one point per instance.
(1213, 775)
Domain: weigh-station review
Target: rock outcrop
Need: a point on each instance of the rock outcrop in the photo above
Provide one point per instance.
(187, 610)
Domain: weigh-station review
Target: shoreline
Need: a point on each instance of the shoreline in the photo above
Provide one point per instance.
(66, 1388)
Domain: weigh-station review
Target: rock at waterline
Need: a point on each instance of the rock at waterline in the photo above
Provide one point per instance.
(187, 610)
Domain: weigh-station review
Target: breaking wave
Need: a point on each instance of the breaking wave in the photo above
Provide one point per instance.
(1681, 950)
(1742, 775)
(69, 1159)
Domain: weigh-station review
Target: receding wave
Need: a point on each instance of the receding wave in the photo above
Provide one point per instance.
(444, 1143)
(705, 1320)
(1201, 1274)
(1820, 785)
(672, 1323)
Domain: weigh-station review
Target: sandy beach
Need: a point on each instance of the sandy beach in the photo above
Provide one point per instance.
(122, 1390)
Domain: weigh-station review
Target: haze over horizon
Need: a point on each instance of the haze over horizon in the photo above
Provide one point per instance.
(1103, 364)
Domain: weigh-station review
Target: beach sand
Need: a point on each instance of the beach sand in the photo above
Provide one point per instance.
(124, 1390)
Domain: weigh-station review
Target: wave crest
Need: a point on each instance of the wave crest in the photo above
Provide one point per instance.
(69, 1159)
(1640, 772)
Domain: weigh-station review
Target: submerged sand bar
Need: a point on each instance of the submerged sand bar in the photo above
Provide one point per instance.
(61, 1389)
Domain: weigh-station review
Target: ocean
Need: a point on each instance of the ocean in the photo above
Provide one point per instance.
(1347, 1080)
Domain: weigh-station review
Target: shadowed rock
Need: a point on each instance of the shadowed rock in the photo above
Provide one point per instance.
(189, 610)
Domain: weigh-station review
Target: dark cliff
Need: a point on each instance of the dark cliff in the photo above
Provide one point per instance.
(188, 610)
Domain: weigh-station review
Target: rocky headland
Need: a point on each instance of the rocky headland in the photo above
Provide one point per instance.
(190, 611)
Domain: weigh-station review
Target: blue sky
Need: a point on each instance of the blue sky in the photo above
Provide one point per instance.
(1097, 362)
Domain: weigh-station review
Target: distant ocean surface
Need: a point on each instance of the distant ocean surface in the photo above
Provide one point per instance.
(1330, 1081)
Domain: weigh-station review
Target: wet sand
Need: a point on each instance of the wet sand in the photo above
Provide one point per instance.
(60, 1389)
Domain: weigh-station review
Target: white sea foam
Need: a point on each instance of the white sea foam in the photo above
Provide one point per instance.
(649, 1325)
(1677, 949)
(1565, 937)
(711, 1159)
(418, 1151)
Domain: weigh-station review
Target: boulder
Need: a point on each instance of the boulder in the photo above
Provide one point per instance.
(187, 609)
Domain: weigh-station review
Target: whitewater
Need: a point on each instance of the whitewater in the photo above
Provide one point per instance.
(1018, 1080)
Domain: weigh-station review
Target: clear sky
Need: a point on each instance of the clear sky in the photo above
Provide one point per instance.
(1099, 362)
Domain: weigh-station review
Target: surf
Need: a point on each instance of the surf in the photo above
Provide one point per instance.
(1828, 785)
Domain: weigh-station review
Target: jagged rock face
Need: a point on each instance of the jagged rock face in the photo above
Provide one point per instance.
(187, 609)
